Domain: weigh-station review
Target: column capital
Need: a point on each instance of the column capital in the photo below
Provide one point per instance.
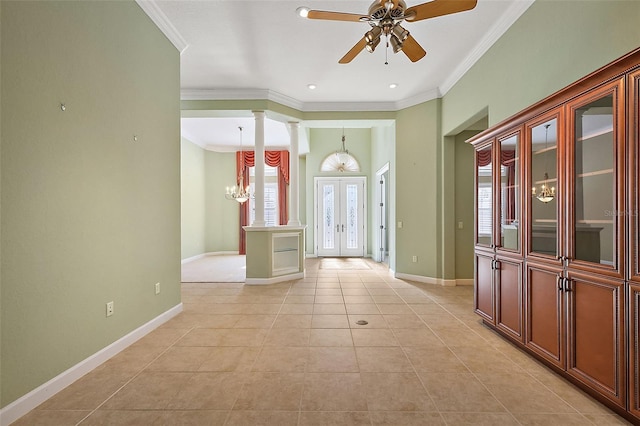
(258, 113)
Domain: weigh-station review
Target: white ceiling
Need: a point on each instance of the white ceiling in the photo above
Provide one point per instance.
(261, 49)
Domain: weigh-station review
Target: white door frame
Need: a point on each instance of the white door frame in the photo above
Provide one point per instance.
(378, 220)
(364, 228)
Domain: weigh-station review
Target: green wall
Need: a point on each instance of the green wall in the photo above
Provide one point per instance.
(88, 214)
(416, 203)
(464, 193)
(192, 184)
(222, 215)
(553, 44)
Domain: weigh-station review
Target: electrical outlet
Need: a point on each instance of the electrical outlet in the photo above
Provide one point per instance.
(460, 225)
(157, 288)
(109, 309)
(414, 259)
(399, 224)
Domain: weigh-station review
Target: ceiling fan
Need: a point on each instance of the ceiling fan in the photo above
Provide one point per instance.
(385, 17)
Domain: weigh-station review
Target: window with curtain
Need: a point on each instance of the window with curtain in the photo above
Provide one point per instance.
(485, 201)
(271, 212)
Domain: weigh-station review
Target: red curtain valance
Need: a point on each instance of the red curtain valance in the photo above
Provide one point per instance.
(506, 157)
(279, 159)
(271, 158)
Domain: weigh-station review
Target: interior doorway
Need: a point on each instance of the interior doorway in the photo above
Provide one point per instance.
(340, 216)
(381, 216)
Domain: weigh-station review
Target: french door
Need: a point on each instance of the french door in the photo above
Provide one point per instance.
(340, 216)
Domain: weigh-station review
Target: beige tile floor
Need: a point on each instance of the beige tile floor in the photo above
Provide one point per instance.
(293, 354)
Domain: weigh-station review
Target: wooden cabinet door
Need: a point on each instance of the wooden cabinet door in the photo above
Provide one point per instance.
(484, 295)
(485, 200)
(595, 334)
(634, 352)
(596, 170)
(544, 304)
(633, 115)
(509, 297)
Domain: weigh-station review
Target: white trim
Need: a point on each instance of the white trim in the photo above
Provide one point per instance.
(28, 402)
(153, 11)
(426, 280)
(274, 280)
(515, 10)
(512, 14)
(270, 95)
(466, 281)
(418, 99)
(192, 258)
(211, 253)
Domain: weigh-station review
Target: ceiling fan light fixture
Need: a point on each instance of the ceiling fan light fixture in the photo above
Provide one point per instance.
(395, 44)
(371, 46)
(373, 34)
(303, 11)
(400, 33)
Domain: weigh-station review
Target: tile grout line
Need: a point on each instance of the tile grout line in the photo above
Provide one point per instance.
(134, 376)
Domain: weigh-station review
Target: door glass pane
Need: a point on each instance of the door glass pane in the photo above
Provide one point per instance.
(352, 216)
(510, 192)
(544, 210)
(328, 196)
(484, 178)
(595, 190)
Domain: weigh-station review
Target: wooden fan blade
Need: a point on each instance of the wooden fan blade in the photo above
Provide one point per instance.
(437, 8)
(412, 49)
(353, 52)
(336, 16)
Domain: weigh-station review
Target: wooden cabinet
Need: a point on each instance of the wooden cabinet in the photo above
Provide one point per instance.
(596, 334)
(509, 297)
(634, 349)
(484, 290)
(545, 307)
(556, 269)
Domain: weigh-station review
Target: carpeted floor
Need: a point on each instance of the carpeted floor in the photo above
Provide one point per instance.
(215, 269)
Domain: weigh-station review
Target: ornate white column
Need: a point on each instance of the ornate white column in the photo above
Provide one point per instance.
(259, 164)
(294, 185)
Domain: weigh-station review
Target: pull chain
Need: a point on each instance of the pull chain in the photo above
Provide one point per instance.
(386, 52)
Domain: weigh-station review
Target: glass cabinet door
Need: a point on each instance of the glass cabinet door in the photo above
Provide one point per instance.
(509, 210)
(484, 196)
(544, 229)
(595, 200)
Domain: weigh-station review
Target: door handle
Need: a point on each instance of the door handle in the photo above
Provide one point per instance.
(567, 285)
(560, 282)
(337, 228)
(342, 228)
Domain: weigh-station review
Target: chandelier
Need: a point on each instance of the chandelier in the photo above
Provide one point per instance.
(343, 155)
(239, 192)
(545, 193)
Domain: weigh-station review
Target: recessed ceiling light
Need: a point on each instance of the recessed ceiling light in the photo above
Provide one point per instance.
(303, 11)
(311, 86)
(393, 86)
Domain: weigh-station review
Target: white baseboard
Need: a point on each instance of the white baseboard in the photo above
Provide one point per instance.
(426, 280)
(211, 253)
(467, 281)
(273, 280)
(28, 402)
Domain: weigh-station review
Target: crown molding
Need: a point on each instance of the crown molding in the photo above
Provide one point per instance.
(512, 14)
(270, 95)
(151, 8)
(418, 99)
